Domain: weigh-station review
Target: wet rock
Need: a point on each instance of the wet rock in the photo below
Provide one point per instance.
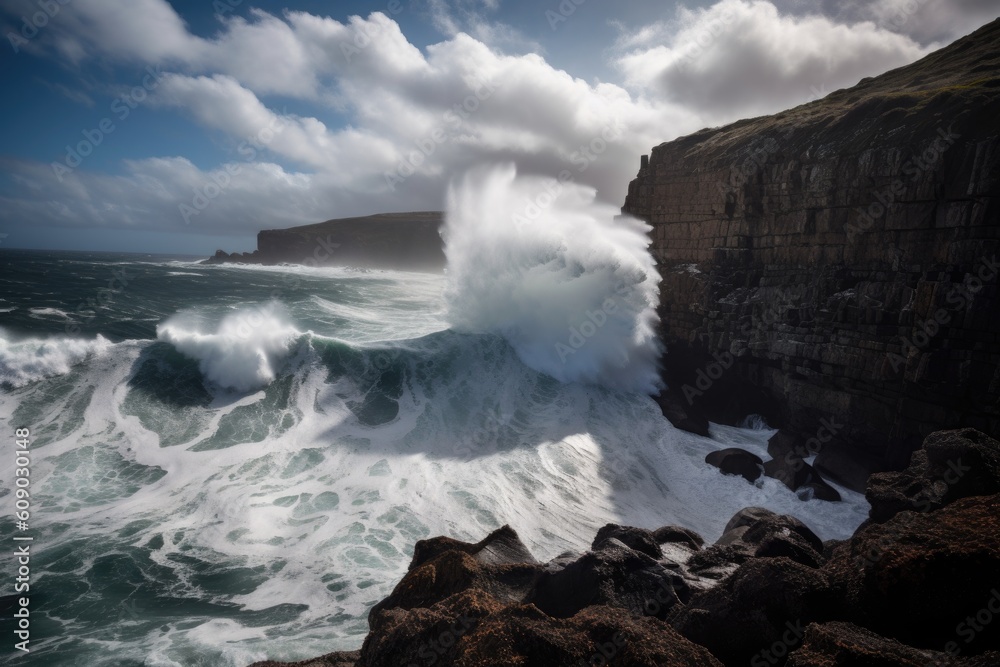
(763, 601)
(339, 659)
(680, 415)
(848, 466)
(736, 461)
(839, 644)
(950, 465)
(678, 535)
(921, 577)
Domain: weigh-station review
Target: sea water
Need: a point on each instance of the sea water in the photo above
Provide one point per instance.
(231, 463)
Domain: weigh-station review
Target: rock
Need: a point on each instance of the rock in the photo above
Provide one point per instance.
(339, 659)
(839, 644)
(950, 465)
(638, 539)
(764, 522)
(800, 477)
(685, 418)
(919, 576)
(613, 575)
(499, 565)
(471, 630)
(784, 443)
(791, 546)
(736, 461)
(764, 600)
(780, 267)
(848, 466)
(677, 534)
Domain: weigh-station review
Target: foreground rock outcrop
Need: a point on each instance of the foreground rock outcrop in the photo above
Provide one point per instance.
(837, 263)
(920, 587)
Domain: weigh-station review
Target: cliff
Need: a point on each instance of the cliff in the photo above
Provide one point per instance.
(405, 241)
(836, 265)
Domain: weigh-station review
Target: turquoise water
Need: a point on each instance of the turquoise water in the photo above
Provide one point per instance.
(233, 463)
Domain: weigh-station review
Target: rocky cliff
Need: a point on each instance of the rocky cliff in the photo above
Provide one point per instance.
(405, 241)
(836, 265)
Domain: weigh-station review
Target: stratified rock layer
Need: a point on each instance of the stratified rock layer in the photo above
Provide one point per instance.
(841, 257)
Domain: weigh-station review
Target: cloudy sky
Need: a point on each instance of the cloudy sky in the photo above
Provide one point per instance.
(183, 126)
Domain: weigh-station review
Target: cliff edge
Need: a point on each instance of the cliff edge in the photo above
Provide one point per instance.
(836, 264)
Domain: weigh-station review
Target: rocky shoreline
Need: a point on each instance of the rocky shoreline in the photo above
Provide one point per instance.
(918, 584)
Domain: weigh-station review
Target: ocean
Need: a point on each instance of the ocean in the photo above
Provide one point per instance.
(231, 463)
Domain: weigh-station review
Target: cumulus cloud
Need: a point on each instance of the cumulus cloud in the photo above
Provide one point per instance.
(744, 54)
(416, 117)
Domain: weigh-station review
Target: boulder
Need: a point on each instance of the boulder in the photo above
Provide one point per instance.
(839, 644)
(765, 601)
(736, 461)
(848, 466)
(638, 539)
(683, 417)
(613, 575)
(800, 477)
(926, 578)
(678, 535)
(950, 465)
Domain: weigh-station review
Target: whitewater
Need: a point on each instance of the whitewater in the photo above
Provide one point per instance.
(232, 463)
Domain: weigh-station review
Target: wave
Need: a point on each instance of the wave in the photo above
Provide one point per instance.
(25, 361)
(569, 283)
(243, 354)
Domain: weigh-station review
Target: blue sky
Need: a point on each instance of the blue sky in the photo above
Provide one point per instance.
(148, 125)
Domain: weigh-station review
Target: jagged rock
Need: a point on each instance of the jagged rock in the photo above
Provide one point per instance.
(736, 461)
(763, 522)
(839, 644)
(918, 577)
(950, 465)
(639, 539)
(685, 418)
(756, 532)
(763, 600)
(678, 535)
(612, 575)
(800, 477)
(472, 630)
(499, 565)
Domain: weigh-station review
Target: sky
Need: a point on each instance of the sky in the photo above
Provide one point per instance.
(188, 125)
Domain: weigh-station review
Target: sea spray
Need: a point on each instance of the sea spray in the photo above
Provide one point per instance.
(243, 354)
(25, 361)
(569, 283)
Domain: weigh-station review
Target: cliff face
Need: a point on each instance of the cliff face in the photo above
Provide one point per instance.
(841, 258)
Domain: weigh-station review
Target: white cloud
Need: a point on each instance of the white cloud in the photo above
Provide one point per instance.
(435, 112)
(744, 55)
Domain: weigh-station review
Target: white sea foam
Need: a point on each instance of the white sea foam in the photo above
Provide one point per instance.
(26, 361)
(568, 283)
(244, 352)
